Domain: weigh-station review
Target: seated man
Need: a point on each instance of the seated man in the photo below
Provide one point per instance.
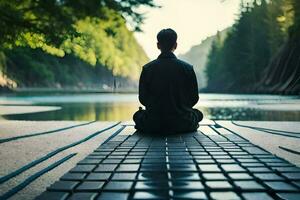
(168, 89)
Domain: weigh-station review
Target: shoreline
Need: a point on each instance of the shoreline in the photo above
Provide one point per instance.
(116, 90)
(68, 90)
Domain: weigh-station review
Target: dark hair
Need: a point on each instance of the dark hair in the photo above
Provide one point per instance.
(166, 39)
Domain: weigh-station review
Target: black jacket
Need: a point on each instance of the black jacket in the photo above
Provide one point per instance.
(168, 87)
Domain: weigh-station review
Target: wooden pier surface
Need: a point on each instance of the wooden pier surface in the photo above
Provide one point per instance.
(108, 160)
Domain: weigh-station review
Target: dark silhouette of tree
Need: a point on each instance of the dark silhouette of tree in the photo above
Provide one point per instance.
(255, 57)
(283, 73)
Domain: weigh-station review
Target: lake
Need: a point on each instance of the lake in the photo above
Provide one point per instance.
(114, 107)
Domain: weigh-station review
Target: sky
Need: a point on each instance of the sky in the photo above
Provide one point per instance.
(193, 20)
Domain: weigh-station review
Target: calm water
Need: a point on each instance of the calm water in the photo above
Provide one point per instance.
(122, 106)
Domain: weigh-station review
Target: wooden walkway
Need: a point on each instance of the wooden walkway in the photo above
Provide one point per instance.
(213, 163)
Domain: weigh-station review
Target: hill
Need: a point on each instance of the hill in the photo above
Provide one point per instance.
(197, 56)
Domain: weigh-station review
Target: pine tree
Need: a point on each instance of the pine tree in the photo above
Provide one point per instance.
(241, 64)
(283, 72)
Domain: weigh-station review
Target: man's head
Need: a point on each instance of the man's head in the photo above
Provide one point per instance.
(166, 40)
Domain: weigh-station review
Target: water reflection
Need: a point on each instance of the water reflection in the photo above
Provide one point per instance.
(114, 111)
(115, 107)
(83, 112)
(249, 114)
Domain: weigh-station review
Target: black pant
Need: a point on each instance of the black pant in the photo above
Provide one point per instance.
(146, 123)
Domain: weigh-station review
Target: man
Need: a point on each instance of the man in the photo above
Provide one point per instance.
(168, 89)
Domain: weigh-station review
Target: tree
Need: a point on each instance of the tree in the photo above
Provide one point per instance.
(262, 51)
(107, 42)
(283, 72)
(52, 21)
(99, 36)
(213, 66)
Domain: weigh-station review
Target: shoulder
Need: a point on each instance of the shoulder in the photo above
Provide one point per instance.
(185, 64)
(150, 64)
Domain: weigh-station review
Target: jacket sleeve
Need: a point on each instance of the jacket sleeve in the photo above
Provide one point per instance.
(193, 88)
(143, 93)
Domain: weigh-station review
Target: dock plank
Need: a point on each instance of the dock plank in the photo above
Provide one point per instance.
(267, 140)
(212, 163)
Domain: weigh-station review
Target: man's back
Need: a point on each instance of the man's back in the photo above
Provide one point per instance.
(168, 87)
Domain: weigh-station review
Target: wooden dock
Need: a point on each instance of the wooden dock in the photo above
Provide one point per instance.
(222, 160)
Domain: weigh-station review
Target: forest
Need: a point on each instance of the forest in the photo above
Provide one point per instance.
(48, 43)
(261, 53)
(90, 44)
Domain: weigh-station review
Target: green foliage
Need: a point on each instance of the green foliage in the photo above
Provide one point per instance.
(39, 36)
(109, 43)
(238, 63)
(25, 69)
(53, 20)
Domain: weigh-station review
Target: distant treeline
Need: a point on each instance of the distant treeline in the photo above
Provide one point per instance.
(261, 53)
(70, 43)
(34, 68)
(103, 50)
